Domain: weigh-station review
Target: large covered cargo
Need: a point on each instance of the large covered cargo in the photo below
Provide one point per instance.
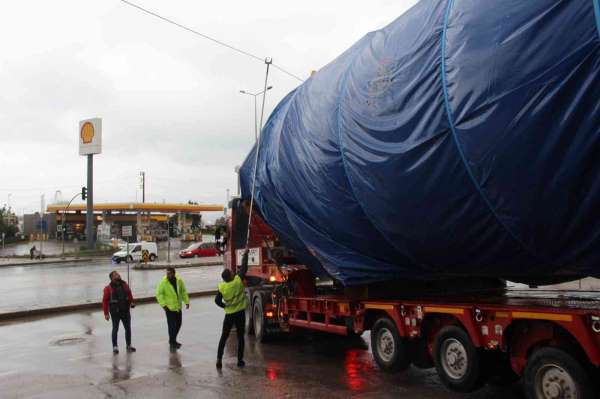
(463, 139)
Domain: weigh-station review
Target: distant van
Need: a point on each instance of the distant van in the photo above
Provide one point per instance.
(135, 252)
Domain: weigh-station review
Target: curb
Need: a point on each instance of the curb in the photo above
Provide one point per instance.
(138, 266)
(51, 261)
(10, 316)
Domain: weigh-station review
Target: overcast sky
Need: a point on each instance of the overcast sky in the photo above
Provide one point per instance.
(169, 100)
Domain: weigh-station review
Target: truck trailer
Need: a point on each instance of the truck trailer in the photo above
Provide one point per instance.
(471, 334)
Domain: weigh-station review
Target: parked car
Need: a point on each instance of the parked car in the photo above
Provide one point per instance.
(135, 252)
(199, 249)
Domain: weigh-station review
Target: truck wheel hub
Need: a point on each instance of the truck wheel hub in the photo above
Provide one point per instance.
(454, 358)
(554, 382)
(386, 345)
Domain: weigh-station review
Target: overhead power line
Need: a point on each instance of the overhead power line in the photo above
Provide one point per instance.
(212, 39)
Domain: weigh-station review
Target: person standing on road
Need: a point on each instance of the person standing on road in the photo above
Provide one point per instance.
(32, 252)
(170, 294)
(232, 298)
(117, 300)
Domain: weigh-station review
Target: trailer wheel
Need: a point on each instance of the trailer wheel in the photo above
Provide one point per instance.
(258, 318)
(389, 349)
(551, 373)
(248, 315)
(457, 361)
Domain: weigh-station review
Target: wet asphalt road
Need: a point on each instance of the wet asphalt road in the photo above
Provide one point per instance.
(70, 357)
(49, 285)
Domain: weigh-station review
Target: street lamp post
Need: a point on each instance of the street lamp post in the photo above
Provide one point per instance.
(62, 220)
(255, 111)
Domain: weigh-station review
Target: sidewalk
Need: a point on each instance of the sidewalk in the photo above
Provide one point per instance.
(41, 312)
(180, 263)
(10, 262)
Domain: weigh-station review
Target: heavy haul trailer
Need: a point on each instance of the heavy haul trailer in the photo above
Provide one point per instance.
(550, 339)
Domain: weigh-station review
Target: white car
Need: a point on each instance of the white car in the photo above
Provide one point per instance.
(135, 252)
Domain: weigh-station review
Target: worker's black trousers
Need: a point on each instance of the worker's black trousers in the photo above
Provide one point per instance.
(125, 318)
(239, 320)
(174, 320)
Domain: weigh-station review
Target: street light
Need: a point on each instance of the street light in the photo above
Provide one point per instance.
(255, 116)
(83, 194)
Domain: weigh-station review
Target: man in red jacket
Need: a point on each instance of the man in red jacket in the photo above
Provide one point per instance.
(116, 302)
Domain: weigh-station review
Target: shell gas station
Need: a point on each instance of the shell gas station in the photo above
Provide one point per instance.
(149, 221)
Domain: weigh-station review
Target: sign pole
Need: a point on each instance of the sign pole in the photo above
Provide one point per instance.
(89, 217)
(90, 143)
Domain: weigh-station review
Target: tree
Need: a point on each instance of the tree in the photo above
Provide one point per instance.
(9, 230)
(222, 221)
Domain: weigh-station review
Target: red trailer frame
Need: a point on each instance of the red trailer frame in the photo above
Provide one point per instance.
(522, 331)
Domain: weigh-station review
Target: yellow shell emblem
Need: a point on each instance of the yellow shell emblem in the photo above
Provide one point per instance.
(87, 133)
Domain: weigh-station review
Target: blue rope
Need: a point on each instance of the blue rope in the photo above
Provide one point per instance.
(597, 14)
(455, 136)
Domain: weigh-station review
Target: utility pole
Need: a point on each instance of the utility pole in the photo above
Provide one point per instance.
(143, 185)
(42, 225)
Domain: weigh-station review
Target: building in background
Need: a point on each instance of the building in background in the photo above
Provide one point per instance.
(37, 227)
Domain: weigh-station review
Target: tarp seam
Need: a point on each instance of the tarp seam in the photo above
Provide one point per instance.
(596, 4)
(455, 135)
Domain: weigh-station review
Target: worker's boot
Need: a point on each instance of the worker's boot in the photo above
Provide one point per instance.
(219, 364)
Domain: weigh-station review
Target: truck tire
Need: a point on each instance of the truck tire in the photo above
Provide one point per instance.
(152, 257)
(457, 360)
(118, 261)
(248, 314)
(389, 349)
(258, 318)
(553, 373)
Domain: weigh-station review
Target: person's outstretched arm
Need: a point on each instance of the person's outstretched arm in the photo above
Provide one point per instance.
(244, 267)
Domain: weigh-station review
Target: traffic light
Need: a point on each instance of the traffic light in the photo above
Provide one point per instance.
(83, 193)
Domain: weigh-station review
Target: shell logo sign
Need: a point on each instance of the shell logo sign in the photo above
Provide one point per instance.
(90, 136)
(87, 133)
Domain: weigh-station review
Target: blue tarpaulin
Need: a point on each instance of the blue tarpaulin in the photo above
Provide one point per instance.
(463, 139)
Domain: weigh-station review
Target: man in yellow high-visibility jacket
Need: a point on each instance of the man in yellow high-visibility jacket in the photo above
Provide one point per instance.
(170, 293)
(232, 298)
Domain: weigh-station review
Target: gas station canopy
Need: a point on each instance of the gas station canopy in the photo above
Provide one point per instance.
(140, 207)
